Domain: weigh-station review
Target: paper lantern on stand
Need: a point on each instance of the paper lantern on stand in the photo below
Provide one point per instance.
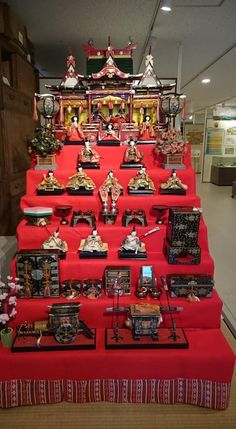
(47, 106)
(172, 104)
(44, 145)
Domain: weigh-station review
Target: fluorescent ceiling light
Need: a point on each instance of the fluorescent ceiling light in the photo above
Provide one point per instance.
(166, 8)
(207, 80)
(166, 5)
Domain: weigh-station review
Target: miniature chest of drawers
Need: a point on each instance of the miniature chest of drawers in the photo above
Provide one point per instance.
(183, 226)
(38, 272)
(180, 285)
(111, 279)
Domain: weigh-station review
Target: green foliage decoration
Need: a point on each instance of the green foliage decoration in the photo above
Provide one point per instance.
(45, 142)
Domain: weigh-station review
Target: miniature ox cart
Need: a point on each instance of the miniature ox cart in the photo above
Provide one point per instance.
(63, 322)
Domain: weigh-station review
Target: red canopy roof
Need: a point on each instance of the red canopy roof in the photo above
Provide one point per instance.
(110, 70)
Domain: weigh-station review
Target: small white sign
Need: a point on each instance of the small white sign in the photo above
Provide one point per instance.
(21, 38)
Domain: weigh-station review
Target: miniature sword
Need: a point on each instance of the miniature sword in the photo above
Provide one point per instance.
(150, 232)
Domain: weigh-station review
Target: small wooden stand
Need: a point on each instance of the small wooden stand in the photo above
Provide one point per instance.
(140, 191)
(83, 217)
(174, 161)
(161, 210)
(134, 216)
(46, 162)
(108, 143)
(80, 191)
(108, 217)
(63, 211)
(124, 254)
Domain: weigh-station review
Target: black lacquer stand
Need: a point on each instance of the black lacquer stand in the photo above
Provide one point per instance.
(174, 335)
(117, 291)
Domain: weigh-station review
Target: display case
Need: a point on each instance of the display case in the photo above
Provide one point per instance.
(223, 170)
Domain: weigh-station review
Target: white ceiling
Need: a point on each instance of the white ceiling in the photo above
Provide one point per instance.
(203, 30)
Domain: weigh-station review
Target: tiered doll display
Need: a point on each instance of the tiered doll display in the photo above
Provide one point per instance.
(109, 240)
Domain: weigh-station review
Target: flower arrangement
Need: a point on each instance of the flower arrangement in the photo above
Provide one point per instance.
(8, 296)
(45, 142)
(171, 142)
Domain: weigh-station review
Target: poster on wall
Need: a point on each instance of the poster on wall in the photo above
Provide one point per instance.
(229, 151)
(230, 137)
(214, 141)
(220, 140)
(194, 133)
(226, 112)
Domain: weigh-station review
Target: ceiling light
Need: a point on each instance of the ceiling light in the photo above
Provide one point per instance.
(207, 80)
(166, 5)
(190, 117)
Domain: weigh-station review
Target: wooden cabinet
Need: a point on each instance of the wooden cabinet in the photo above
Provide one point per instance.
(12, 27)
(223, 176)
(16, 131)
(18, 83)
(25, 76)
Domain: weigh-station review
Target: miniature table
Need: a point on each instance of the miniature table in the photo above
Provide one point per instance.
(64, 211)
(87, 217)
(137, 216)
(38, 216)
(160, 213)
(109, 216)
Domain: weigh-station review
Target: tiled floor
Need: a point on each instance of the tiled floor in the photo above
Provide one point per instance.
(219, 211)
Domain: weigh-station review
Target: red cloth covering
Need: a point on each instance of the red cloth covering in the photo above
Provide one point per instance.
(203, 393)
(203, 360)
(204, 314)
(158, 176)
(32, 237)
(177, 375)
(200, 375)
(67, 157)
(111, 157)
(74, 268)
